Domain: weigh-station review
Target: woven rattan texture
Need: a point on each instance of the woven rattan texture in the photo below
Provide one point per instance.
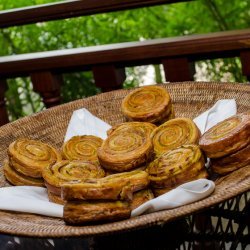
(189, 99)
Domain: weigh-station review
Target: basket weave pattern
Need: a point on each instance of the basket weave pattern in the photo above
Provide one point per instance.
(189, 99)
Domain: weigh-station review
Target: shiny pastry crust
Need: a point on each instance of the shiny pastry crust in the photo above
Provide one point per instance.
(65, 171)
(227, 136)
(19, 179)
(141, 197)
(82, 148)
(176, 167)
(82, 212)
(55, 198)
(229, 163)
(159, 191)
(146, 126)
(30, 157)
(98, 189)
(138, 179)
(147, 104)
(173, 134)
(127, 147)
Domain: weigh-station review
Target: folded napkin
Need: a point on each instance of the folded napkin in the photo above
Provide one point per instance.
(35, 199)
(30, 200)
(182, 195)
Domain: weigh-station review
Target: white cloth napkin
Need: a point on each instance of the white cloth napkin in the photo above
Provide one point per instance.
(35, 200)
(182, 195)
(30, 200)
(82, 122)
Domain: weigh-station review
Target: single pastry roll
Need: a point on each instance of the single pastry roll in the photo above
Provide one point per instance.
(141, 197)
(30, 157)
(19, 179)
(160, 191)
(229, 163)
(147, 104)
(173, 134)
(138, 179)
(127, 147)
(176, 167)
(146, 126)
(66, 171)
(227, 136)
(82, 148)
(82, 212)
(98, 189)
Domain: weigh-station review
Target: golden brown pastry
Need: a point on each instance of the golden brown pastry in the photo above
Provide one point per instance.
(141, 197)
(82, 212)
(173, 134)
(56, 198)
(201, 175)
(82, 148)
(147, 104)
(30, 157)
(176, 167)
(98, 189)
(227, 136)
(138, 179)
(66, 171)
(19, 179)
(127, 147)
(229, 163)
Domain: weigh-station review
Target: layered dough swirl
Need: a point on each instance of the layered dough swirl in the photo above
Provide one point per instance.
(232, 162)
(147, 104)
(30, 157)
(65, 171)
(227, 136)
(112, 187)
(82, 148)
(82, 212)
(176, 167)
(173, 134)
(127, 147)
(141, 197)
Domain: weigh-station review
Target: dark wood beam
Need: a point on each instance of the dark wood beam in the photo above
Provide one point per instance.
(72, 8)
(195, 47)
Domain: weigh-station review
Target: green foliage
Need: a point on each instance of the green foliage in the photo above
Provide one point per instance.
(201, 16)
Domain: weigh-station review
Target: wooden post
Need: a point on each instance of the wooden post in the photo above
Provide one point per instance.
(48, 85)
(245, 61)
(178, 69)
(3, 111)
(108, 77)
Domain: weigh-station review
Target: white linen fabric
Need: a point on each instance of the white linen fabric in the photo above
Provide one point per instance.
(35, 199)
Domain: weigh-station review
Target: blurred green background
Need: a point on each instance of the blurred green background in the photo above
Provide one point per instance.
(201, 16)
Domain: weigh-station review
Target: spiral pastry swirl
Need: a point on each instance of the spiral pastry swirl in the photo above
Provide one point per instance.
(82, 148)
(147, 104)
(82, 212)
(30, 157)
(232, 162)
(19, 179)
(66, 171)
(227, 136)
(126, 148)
(173, 134)
(176, 167)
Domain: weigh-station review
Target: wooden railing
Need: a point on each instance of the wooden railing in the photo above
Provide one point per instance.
(108, 62)
(71, 8)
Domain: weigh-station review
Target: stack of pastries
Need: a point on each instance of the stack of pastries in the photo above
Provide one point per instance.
(152, 153)
(227, 144)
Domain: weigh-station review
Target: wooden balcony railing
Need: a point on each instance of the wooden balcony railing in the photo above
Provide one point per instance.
(71, 8)
(108, 62)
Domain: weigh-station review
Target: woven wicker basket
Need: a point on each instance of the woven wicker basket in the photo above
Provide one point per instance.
(189, 98)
